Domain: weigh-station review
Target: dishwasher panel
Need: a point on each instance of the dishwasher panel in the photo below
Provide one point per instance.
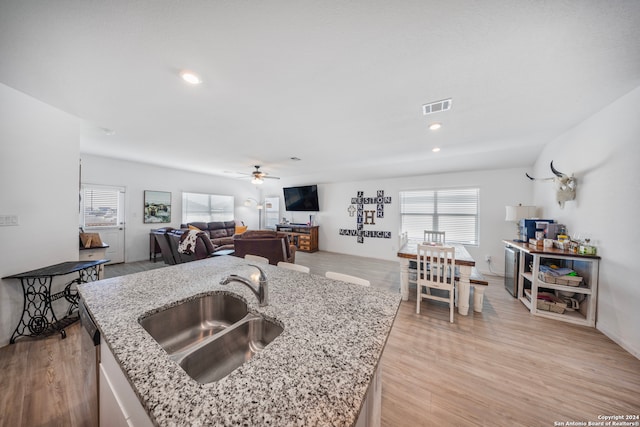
(90, 360)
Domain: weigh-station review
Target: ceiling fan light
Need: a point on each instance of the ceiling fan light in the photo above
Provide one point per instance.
(256, 180)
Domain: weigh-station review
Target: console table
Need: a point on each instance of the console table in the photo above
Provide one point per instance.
(38, 318)
(304, 237)
(531, 282)
(154, 247)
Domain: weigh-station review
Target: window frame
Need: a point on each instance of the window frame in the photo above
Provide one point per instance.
(230, 215)
(440, 193)
(271, 214)
(115, 211)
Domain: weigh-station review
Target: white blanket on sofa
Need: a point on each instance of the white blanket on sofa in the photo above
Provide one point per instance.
(188, 242)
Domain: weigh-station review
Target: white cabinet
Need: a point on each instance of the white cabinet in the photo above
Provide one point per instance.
(370, 414)
(119, 405)
(531, 283)
(93, 254)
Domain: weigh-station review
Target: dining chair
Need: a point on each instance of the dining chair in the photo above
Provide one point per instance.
(434, 237)
(295, 267)
(256, 258)
(436, 270)
(346, 278)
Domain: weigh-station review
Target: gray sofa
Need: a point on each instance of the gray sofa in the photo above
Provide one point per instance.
(220, 232)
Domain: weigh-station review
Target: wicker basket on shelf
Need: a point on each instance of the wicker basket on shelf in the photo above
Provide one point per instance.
(560, 280)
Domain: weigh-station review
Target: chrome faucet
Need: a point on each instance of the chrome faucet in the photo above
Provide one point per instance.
(262, 291)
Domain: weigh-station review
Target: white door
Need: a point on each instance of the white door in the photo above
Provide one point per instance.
(102, 211)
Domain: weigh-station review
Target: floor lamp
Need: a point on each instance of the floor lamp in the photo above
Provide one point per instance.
(251, 201)
(260, 208)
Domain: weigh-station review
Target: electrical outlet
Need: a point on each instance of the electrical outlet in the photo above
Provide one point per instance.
(487, 258)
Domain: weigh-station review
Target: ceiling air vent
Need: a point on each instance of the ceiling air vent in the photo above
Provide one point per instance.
(436, 107)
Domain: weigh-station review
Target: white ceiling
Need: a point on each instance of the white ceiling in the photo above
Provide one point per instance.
(339, 84)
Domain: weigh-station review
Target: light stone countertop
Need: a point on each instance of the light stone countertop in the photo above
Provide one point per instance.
(315, 373)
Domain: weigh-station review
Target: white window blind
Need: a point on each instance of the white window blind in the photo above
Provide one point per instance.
(454, 211)
(100, 207)
(198, 207)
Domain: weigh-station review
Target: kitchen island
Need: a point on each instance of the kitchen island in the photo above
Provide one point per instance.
(317, 372)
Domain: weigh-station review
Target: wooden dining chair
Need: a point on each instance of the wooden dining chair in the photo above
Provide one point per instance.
(436, 270)
(434, 237)
(346, 278)
(295, 267)
(256, 259)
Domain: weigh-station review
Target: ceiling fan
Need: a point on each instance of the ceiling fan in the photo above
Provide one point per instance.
(258, 177)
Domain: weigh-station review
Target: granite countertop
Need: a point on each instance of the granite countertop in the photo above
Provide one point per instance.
(315, 373)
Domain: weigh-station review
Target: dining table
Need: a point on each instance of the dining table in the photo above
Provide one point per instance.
(465, 264)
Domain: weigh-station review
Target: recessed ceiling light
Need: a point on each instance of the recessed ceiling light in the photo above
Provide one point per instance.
(435, 149)
(190, 77)
(435, 126)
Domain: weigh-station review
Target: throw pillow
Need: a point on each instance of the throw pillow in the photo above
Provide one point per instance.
(191, 227)
(241, 229)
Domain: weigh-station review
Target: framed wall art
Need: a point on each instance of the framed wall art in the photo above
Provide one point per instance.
(157, 206)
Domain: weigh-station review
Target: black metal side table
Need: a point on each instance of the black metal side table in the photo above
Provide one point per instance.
(38, 317)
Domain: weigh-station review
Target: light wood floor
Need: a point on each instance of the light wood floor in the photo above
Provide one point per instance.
(501, 367)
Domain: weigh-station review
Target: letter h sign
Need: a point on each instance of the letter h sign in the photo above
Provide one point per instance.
(367, 216)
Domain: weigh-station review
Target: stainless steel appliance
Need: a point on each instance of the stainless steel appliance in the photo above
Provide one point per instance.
(511, 270)
(90, 360)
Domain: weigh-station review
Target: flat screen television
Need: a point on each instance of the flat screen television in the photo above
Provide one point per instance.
(303, 198)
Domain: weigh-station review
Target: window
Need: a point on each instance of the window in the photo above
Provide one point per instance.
(100, 206)
(271, 212)
(198, 207)
(454, 211)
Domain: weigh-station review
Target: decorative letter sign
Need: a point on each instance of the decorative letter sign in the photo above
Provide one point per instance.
(367, 217)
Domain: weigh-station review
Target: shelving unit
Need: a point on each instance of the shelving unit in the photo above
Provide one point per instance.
(530, 284)
(304, 237)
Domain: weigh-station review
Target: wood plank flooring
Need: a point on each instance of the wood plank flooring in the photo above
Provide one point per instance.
(501, 367)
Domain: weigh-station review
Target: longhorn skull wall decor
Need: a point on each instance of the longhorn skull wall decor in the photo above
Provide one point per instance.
(565, 185)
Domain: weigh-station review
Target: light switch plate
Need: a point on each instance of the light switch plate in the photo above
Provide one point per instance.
(7, 220)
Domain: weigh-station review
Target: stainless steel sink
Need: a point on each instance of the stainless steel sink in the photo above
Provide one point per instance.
(210, 336)
(230, 350)
(180, 327)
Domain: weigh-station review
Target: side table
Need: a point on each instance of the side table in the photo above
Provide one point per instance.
(38, 318)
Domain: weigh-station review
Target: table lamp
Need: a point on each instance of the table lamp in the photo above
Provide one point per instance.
(516, 213)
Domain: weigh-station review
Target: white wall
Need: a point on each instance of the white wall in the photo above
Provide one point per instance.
(603, 153)
(138, 177)
(498, 188)
(38, 182)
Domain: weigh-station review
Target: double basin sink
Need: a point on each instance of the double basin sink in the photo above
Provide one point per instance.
(210, 336)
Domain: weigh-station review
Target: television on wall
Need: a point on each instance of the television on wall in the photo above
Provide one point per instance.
(301, 199)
